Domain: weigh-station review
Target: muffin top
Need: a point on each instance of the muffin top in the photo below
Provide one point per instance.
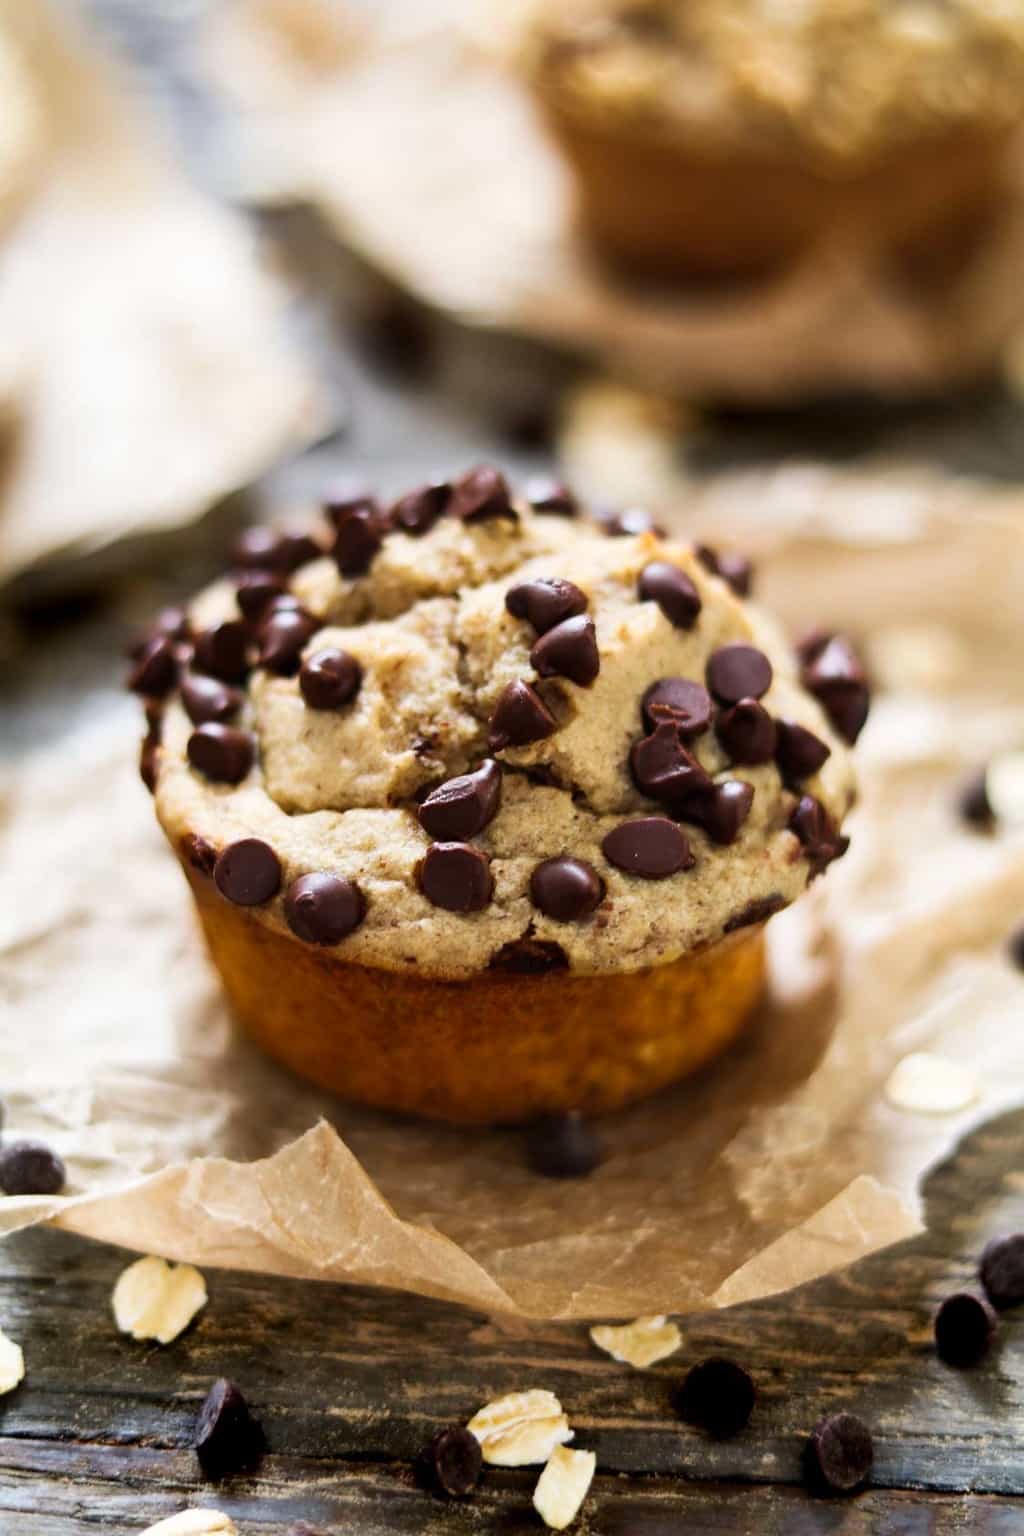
(841, 81)
(473, 731)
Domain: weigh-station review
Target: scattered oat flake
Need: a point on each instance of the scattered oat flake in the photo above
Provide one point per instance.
(520, 1430)
(927, 1084)
(194, 1522)
(156, 1300)
(562, 1486)
(1004, 785)
(640, 1343)
(12, 1364)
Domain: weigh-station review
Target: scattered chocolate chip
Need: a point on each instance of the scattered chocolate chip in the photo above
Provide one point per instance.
(31, 1168)
(1015, 947)
(207, 698)
(1002, 1270)
(153, 709)
(323, 908)
(717, 1395)
(451, 1462)
(297, 549)
(651, 847)
(566, 889)
(545, 602)
(171, 623)
(222, 651)
(672, 590)
(755, 912)
(973, 803)
(456, 876)
(965, 1326)
(834, 674)
(737, 672)
(549, 495)
(530, 957)
(417, 511)
(811, 643)
(360, 529)
(329, 678)
(227, 1438)
(255, 590)
(817, 833)
(155, 671)
(798, 752)
(149, 763)
(662, 767)
(734, 569)
(257, 548)
(198, 852)
(630, 522)
(247, 872)
(461, 807)
(680, 702)
(746, 732)
(569, 650)
(345, 497)
(719, 809)
(839, 1454)
(282, 638)
(222, 753)
(521, 716)
(563, 1146)
(482, 494)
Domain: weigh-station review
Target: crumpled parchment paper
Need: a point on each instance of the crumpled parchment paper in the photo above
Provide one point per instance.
(780, 1163)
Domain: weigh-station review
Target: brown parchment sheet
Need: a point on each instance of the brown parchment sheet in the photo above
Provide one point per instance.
(782, 1162)
(423, 152)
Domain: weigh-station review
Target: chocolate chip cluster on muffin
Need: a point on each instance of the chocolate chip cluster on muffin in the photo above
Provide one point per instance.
(484, 802)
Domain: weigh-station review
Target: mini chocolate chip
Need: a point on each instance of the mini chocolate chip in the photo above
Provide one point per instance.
(737, 672)
(297, 549)
(282, 637)
(754, 912)
(662, 767)
(734, 569)
(348, 497)
(323, 908)
(563, 1146)
(973, 803)
(257, 548)
(651, 846)
(629, 523)
(566, 889)
(798, 752)
(451, 1462)
(529, 957)
(549, 495)
(461, 807)
(171, 623)
(545, 602)
(822, 842)
(330, 678)
(222, 753)
(1015, 946)
(207, 698)
(360, 533)
(672, 590)
(417, 511)
(247, 872)
(481, 494)
(719, 809)
(1002, 1270)
(717, 1395)
(149, 763)
(198, 852)
(521, 716)
(31, 1168)
(255, 590)
(680, 702)
(456, 876)
(227, 1438)
(839, 1454)
(568, 650)
(746, 732)
(965, 1326)
(222, 651)
(811, 643)
(155, 671)
(834, 674)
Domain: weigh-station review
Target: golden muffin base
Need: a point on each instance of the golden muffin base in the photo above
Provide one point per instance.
(496, 1049)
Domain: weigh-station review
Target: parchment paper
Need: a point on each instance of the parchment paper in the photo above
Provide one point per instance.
(782, 1162)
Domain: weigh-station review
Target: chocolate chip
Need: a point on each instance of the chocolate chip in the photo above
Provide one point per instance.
(257, 548)
(1002, 1270)
(149, 763)
(651, 846)
(719, 809)
(717, 1395)
(817, 832)
(798, 752)
(839, 1454)
(965, 1326)
(171, 623)
(31, 1168)
(566, 889)
(297, 549)
(255, 591)
(207, 698)
(461, 807)
(834, 674)
(662, 767)
(222, 753)
(629, 523)
(329, 678)
(549, 495)
(456, 876)
(529, 957)
(734, 569)
(282, 638)
(521, 716)
(222, 651)
(746, 732)
(569, 650)
(417, 511)
(545, 602)
(198, 852)
(563, 1146)
(672, 590)
(482, 494)
(1015, 947)
(737, 672)
(680, 702)
(973, 803)
(323, 908)
(247, 872)
(155, 671)
(227, 1438)
(451, 1462)
(755, 912)
(360, 533)
(346, 497)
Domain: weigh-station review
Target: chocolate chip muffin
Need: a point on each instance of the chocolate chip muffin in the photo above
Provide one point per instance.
(484, 803)
(724, 137)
